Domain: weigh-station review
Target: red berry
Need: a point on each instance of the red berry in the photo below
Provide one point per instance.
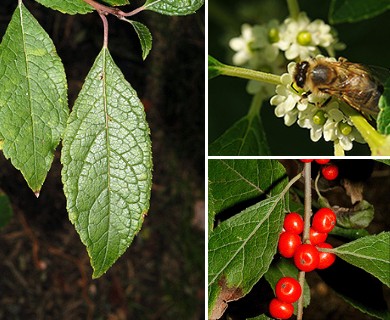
(326, 258)
(317, 237)
(324, 220)
(306, 257)
(322, 161)
(288, 242)
(293, 222)
(306, 160)
(288, 289)
(280, 310)
(330, 172)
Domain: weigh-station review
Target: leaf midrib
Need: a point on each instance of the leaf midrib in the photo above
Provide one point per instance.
(29, 91)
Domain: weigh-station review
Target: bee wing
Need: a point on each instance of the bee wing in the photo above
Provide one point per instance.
(357, 86)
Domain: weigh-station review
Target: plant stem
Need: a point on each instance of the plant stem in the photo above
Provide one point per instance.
(378, 143)
(105, 29)
(306, 231)
(249, 74)
(256, 103)
(115, 11)
(293, 8)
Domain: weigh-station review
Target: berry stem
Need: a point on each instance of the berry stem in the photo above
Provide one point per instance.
(306, 230)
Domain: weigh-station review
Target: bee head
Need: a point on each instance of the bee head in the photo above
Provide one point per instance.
(300, 73)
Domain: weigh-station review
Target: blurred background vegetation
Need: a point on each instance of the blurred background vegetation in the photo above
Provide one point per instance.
(366, 43)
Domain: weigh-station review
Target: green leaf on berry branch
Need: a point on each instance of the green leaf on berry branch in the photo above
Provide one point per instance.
(107, 164)
(370, 253)
(242, 247)
(174, 7)
(76, 6)
(236, 181)
(33, 97)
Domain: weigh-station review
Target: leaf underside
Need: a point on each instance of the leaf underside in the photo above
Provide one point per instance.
(33, 97)
(107, 164)
(76, 6)
(174, 7)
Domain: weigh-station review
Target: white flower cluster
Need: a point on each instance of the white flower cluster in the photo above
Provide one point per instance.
(268, 48)
(322, 117)
(260, 45)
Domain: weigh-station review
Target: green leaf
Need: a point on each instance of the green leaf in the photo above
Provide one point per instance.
(211, 211)
(357, 217)
(173, 7)
(370, 253)
(238, 181)
(351, 234)
(245, 137)
(384, 161)
(214, 67)
(242, 247)
(107, 164)
(76, 6)
(241, 250)
(144, 36)
(5, 210)
(356, 10)
(383, 121)
(286, 268)
(261, 317)
(33, 97)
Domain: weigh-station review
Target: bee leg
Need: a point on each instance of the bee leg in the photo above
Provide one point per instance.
(325, 102)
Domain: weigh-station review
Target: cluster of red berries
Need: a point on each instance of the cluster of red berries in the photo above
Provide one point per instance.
(306, 255)
(329, 171)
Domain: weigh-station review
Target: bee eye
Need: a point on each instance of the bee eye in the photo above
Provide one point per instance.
(300, 74)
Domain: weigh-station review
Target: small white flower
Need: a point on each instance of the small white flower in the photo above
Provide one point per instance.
(301, 37)
(256, 45)
(323, 118)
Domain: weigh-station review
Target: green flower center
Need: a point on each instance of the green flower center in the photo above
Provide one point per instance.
(304, 38)
(345, 128)
(273, 35)
(319, 118)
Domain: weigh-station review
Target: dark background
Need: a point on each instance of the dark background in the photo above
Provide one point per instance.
(366, 43)
(44, 268)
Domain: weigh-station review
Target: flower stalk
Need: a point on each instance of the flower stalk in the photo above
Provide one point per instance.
(248, 74)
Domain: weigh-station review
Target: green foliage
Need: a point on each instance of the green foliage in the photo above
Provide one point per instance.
(242, 247)
(107, 164)
(383, 121)
(250, 197)
(144, 36)
(370, 253)
(106, 155)
(356, 10)
(214, 67)
(5, 210)
(174, 7)
(244, 138)
(33, 97)
(76, 6)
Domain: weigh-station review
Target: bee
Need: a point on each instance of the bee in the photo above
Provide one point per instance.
(350, 82)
